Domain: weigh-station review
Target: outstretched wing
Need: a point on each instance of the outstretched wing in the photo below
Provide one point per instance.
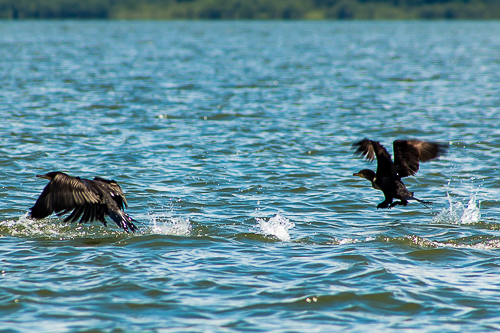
(63, 194)
(408, 154)
(371, 149)
(114, 190)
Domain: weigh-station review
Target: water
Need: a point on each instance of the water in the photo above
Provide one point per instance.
(232, 142)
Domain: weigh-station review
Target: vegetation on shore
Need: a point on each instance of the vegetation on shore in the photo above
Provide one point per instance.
(249, 9)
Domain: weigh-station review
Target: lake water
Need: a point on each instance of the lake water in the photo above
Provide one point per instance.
(232, 142)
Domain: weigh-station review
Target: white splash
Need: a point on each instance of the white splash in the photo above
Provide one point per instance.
(277, 226)
(172, 226)
(458, 213)
(54, 228)
(24, 226)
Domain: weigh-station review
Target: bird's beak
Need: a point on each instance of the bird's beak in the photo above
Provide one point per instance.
(43, 176)
(357, 174)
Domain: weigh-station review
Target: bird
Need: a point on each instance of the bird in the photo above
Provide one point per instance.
(89, 199)
(387, 178)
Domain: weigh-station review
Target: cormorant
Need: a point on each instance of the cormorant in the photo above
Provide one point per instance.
(90, 199)
(407, 154)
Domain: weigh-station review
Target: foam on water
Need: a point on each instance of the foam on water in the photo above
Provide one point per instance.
(25, 226)
(422, 242)
(458, 213)
(170, 226)
(54, 228)
(277, 226)
(347, 241)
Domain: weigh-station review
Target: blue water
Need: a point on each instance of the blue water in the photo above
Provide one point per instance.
(232, 142)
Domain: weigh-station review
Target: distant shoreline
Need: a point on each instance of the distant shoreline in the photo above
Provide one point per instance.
(251, 9)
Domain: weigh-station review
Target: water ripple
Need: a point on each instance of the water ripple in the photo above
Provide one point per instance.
(232, 142)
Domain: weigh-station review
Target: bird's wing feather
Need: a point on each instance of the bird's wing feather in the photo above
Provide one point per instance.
(408, 154)
(73, 217)
(62, 193)
(123, 220)
(371, 149)
(115, 190)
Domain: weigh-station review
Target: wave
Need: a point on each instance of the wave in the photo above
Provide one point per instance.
(460, 211)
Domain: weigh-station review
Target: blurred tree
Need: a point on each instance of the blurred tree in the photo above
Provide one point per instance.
(250, 9)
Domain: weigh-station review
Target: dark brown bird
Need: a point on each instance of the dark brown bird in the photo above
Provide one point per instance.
(407, 155)
(89, 199)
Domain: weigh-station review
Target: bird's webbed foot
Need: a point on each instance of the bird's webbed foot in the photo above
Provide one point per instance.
(401, 202)
(385, 204)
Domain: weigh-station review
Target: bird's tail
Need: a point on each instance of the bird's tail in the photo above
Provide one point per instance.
(425, 203)
(123, 220)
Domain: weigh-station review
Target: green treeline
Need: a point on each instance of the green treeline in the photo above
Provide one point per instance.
(249, 9)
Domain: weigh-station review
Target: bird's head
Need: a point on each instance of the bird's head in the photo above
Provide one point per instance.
(366, 173)
(49, 175)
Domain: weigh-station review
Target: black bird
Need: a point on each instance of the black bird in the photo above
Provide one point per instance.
(407, 155)
(90, 199)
